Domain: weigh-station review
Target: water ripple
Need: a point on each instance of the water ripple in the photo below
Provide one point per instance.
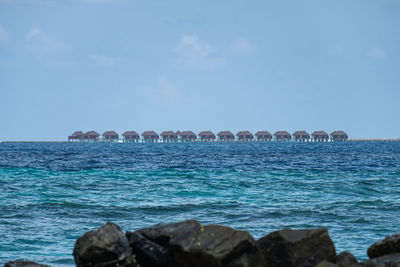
(50, 194)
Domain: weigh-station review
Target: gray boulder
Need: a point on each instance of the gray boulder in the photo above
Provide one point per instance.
(172, 233)
(190, 244)
(289, 247)
(22, 263)
(218, 245)
(391, 260)
(389, 245)
(147, 252)
(345, 259)
(106, 246)
(326, 264)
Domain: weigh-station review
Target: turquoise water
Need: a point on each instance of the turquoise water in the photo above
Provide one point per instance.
(50, 194)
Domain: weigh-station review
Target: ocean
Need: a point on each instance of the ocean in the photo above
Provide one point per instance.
(52, 193)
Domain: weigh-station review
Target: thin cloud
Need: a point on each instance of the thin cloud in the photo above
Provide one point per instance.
(377, 53)
(41, 2)
(241, 47)
(104, 61)
(169, 93)
(41, 42)
(166, 94)
(33, 32)
(336, 50)
(195, 53)
(52, 2)
(191, 46)
(101, 1)
(3, 36)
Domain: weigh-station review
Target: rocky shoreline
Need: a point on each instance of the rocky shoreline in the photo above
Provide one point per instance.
(191, 244)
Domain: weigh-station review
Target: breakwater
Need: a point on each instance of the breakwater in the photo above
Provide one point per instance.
(192, 244)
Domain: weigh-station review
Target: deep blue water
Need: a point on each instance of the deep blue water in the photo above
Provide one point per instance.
(51, 193)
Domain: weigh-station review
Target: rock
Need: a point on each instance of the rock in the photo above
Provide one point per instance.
(22, 263)
(326, 264)
(106, 246)
(345, 259)
(389, 245)
(189, 244)
(392, 260)
(289, 247)
(151, 246)
(147, 252)
(172, 233)
(218, 245)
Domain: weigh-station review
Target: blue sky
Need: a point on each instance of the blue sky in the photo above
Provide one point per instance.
(159, 65)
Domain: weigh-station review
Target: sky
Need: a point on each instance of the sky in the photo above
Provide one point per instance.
(68, 65)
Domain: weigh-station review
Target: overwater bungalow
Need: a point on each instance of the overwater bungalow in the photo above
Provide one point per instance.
(320, 136)
(263, 136)
(187, 136)
(91, 136)
(282, 136)
(150, 136)
(245, 136)
(76, 136)
(169, 136)
(206, 136)
(226, 136)
(110, 136)
(339, 136)
(131, 136)
(301, 136)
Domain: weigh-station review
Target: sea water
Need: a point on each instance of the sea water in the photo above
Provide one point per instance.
(52, 193)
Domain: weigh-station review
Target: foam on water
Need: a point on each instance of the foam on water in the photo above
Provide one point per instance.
(50, 194)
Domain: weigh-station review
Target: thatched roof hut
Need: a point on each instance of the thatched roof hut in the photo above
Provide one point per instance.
(339, 136)
(169, 136)
(245, 136)
(320, 136)
(150, 136)
(226, 136)
(282, 136)
(131, 135)
(263, 136)
(187, 136)
(91, 135)
(206, 136)
(301, 136)
(77, 135)
(110, 135)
